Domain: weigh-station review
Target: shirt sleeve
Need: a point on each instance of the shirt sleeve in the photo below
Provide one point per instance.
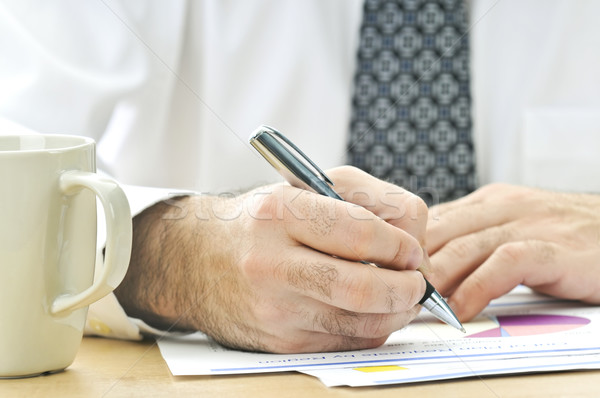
(106, 317)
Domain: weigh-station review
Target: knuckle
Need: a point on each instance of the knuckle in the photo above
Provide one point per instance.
(511, 253)
(359, 237)
(401, 251)
(358, 213)
(401, 203)
(420, 207)
(267, 205)
(318, 277)
(337, 322)
(544, 252)
(251, 266)
(259, 270)
(360, 293)
(478, 286)
(458, 248)
(516, 253)
(376, 326)
(345, 171)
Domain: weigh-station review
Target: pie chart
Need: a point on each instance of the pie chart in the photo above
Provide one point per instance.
(529, 325)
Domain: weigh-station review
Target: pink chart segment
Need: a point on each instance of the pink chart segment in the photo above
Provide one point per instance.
(530, 325)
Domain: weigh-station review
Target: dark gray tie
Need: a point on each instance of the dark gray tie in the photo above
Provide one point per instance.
(411, 117)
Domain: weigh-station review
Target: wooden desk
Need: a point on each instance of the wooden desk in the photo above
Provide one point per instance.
(109, 368)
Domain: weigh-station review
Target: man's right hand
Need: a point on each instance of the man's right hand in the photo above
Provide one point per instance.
(277, 269)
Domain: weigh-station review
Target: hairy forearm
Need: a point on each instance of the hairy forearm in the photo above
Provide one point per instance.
(172, 243)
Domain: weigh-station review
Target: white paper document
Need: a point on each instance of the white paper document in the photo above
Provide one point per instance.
(521, 332)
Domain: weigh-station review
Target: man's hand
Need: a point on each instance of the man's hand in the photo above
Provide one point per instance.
(500, 236)
(277, 269)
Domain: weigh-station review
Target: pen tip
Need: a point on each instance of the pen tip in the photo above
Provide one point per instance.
(463, 330)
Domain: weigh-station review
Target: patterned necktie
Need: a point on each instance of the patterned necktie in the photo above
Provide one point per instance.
(411, 122)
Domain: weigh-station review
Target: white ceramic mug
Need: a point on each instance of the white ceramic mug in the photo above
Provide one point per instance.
(48, 190)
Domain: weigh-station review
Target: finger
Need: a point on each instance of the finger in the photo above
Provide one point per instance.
(490, 192)
(331, 320)
(347, 285)
(301, 324)
(343, 229)
(314, 316)
(530, 262)
(390, 202)
(576, 275)
(460, 257)
(490, 206)
(462, 221)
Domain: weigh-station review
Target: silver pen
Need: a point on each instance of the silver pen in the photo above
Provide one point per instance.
(302, 172)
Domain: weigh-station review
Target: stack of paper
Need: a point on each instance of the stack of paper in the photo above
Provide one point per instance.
(521, 332)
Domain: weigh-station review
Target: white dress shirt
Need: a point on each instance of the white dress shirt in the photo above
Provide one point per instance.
(171, 90)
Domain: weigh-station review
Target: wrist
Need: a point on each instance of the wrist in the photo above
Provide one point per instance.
(174, 243)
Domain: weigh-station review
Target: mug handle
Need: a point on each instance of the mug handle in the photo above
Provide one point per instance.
(118, 238)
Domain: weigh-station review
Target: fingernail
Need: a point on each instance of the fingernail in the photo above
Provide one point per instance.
(416, 258)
